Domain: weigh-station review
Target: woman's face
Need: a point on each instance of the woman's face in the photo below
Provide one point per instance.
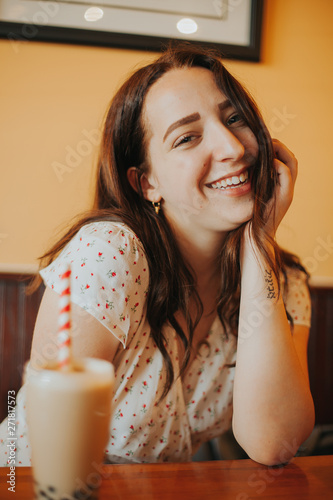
(200, 153)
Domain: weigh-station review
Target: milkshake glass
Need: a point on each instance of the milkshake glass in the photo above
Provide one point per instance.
(68, 416)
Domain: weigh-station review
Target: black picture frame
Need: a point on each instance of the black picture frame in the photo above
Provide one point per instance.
(27, 31)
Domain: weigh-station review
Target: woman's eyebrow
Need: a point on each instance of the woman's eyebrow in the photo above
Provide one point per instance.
(194, 117)
(225, 105)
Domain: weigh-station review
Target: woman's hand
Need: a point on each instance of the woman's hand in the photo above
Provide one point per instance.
(285, 164)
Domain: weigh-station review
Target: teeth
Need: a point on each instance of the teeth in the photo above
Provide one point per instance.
(231, 181)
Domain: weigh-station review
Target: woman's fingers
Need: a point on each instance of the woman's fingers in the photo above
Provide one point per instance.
(285, 164)
(286, 157)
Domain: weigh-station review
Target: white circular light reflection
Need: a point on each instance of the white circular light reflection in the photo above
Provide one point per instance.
(93, 14)
(187, 26)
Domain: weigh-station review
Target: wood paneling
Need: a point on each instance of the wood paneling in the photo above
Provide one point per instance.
(18, 313)
(320, 354)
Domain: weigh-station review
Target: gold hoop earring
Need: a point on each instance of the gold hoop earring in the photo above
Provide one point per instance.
(157, 206)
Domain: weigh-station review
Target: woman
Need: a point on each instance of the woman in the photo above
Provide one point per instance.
(176, 277)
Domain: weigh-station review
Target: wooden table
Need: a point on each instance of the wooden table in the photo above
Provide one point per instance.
(303, 478)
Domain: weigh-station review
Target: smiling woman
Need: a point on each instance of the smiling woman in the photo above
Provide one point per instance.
(177, 278)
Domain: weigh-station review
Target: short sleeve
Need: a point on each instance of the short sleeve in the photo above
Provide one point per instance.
(297, 298)
(109, 276)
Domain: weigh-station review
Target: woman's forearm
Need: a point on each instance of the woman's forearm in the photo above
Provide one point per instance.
(273, 407)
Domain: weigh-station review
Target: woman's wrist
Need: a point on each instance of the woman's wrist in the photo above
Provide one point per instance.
(258, 270)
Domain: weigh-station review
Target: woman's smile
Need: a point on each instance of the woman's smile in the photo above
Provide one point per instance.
(235, 184)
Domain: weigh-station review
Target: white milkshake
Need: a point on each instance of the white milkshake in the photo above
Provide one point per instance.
(68, 415)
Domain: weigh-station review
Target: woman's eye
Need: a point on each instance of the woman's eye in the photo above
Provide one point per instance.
(183, 140)
(236, 118)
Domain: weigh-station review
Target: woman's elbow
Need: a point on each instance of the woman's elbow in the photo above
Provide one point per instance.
(271, 451)
(271, 454)
(271, 457)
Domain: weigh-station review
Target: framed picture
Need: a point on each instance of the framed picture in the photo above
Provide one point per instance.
(231, 26)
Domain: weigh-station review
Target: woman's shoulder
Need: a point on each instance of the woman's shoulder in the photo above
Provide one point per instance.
(296, 295)
(294, 276)
(106, 230)
(100, 241)
(109, 275)
(104, 249)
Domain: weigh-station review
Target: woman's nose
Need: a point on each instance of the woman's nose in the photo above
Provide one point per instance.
(226, 146)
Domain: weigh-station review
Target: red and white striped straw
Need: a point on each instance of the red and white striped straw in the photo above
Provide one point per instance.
(64, 333)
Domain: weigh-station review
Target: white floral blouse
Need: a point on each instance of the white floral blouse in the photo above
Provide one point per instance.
(110, 279)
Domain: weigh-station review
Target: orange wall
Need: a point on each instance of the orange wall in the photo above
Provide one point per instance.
(52, 96)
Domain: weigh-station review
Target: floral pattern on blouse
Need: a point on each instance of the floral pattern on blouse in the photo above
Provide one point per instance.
(110, 279)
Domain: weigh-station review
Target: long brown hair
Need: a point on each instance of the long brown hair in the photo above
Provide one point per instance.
(172, 284)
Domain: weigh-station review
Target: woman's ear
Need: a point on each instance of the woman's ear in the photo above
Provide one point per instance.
(149, 190)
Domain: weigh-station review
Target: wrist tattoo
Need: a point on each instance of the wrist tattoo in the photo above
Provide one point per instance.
(270, 284)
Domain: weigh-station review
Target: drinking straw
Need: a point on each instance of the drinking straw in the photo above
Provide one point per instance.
(64, 332)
